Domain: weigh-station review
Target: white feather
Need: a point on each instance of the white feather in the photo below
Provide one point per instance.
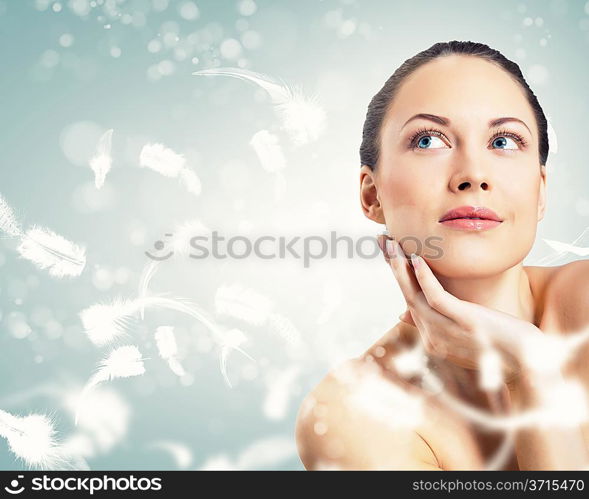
(243, 303)
(303, 118)
(567, 248)
(33, 439)
(267, 148)
(180, 452)
(146, 275)
(101, 162)
(283, 327)
(161, 159)
(48, 250)
(105, 322)
(122, 362)
(168, 349)
(191, 181)
(8, 222)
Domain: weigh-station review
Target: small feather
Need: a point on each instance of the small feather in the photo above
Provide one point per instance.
(8, 222)
(122, 362)
(243, 303)
(104, 323)
(101, 162)
(301, 117)
(191, 181)
(48, 250)
(161, 159)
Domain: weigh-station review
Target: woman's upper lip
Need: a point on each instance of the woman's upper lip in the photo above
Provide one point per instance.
(471, 212)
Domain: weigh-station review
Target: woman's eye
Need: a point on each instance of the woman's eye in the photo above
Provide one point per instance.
(425, 140)
(501, 141)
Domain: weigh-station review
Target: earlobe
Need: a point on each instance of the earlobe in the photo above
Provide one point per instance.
(542, 193)
(369, 198)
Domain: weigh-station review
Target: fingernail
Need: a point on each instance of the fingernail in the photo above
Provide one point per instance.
(391, 248)
(415, 260)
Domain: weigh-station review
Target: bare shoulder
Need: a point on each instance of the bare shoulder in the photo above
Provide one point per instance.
(356, 419)
(567, 295)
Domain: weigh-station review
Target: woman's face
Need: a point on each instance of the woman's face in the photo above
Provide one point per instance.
(464, 162)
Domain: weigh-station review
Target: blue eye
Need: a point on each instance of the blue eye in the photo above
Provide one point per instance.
(503, 139)
(424, 138)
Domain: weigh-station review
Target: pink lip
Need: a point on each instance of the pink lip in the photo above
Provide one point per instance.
(465, 212)
(469, 224)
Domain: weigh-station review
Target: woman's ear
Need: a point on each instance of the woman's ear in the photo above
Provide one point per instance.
(542, 193)
(369, 198)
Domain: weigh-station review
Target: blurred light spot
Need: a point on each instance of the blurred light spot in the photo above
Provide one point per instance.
(50, 58)
(126, 19)
(160, 5)
(320, 428)
(16, 324)
(247, 7)
(66, 40)
(53, 329)
(102, 279)
(107, 26)
(187, 380)
(528, 21)
(230, 48)
(251, 39)
(87, 199)
(347, 28)
(543, 42)
(154, 46)
(80, 7)
(56, 7)
(42, 4)
(166, 67)
(78, 141)
(115, 52)
(537, 74)
(539, 21)
(170, 39)
(195, 60)
(189, 11)
(38, 359)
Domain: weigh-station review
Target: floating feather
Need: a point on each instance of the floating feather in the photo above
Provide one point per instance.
(33, 439)
(490, 370)
(122, 362)
(161, 159)
(105, 323)
(167, 162)
(243, 303)
(148, 272)
(267, 148)
(301, 117)
(567, 248)
(168, 349)
(101, 162)
(8, 222)
(48, 250)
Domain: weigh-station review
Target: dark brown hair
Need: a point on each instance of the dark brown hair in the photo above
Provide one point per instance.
(370, 147)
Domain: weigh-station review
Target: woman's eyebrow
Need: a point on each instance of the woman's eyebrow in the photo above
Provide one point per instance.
(445, 121)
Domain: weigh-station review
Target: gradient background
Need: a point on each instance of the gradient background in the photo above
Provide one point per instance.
(72, 69)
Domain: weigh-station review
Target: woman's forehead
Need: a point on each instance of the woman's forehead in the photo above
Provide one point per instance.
(468, 91)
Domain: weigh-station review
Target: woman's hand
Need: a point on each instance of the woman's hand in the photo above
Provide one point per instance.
(455, 329)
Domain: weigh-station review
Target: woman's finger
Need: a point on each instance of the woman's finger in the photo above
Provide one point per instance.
(402, 270)
(435, 294)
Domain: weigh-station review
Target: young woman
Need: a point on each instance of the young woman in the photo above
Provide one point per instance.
(453, 162)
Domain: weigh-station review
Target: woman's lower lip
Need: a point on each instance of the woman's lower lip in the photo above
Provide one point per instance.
(471, 224)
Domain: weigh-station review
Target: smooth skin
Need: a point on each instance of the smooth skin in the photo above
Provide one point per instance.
(473, 288)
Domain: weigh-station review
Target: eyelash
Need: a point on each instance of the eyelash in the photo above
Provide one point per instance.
(427, 131)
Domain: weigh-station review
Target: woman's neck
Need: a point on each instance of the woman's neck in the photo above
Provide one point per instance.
(509, 292)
